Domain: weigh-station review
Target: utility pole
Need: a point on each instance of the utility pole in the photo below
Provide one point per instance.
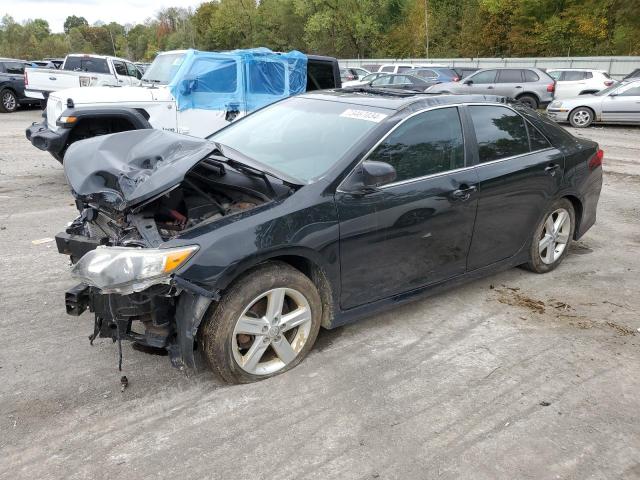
(426, 23)
(113, 45)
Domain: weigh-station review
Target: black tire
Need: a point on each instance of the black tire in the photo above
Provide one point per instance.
(536, 262)
(529, 100)
(581, 117)
(8, 101)
(218, 329)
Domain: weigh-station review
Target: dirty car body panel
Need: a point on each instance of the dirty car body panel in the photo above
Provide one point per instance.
(241, 203)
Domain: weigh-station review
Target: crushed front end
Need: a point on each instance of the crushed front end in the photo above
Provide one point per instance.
(136, 197)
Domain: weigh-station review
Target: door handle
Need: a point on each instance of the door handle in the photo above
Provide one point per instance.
(518, 86)
(52, 78)
(551, 169)
(489, 88)
(464, 193)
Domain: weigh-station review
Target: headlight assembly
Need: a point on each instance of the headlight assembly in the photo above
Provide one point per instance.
(127, 270)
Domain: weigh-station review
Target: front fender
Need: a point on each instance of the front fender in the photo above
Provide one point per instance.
(134, 116)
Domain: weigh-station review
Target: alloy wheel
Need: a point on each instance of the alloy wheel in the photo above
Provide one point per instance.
(555, 236)
(582, 118)
(9, 101)
(271, 331)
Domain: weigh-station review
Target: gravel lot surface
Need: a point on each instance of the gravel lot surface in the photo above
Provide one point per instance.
(515, 376)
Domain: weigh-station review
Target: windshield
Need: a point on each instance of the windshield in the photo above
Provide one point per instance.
(608, 90)
(163, 68)
(301, 137)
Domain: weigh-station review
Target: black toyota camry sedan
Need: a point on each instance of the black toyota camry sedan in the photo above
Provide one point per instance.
(314, 212)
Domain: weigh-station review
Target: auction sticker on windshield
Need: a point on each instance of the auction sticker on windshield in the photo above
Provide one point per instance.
(363, 115)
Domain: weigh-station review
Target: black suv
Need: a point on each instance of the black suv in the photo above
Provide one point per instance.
(314, 211)
(12, 85)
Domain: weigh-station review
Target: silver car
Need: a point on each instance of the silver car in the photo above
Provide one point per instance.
(619, 103)
(530, 86)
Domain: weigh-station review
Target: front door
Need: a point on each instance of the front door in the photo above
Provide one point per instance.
(417, 229)
(519, 174)
(624, 106)
(480, 83)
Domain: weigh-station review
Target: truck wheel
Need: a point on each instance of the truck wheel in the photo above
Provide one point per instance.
(8, 101)
(528, 100)
(264, 325)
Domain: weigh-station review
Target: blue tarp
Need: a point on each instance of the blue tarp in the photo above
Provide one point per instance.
(238, 79)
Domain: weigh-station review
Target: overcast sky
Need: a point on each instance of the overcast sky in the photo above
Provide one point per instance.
(56, 11)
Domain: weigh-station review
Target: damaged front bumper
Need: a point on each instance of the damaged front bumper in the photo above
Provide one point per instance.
(163, 316)
(53, 142)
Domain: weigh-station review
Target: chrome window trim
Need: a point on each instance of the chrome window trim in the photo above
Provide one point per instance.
(438, 174)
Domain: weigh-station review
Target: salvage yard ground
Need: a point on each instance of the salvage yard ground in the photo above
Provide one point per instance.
(514, 376)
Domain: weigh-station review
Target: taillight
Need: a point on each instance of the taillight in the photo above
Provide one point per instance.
(26, 79)
(551, 87)
(596, 160)
(608, 83)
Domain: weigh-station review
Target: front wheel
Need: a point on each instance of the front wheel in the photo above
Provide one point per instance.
(264, 325)
(581, 117)
(552, 237)
(8, 101)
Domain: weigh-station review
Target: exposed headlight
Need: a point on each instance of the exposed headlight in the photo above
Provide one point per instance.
(127, 270)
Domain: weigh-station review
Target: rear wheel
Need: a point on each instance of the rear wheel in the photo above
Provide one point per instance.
(264, 325)
(529, 100)
(552, 238)
(8, 101)
(581, 117)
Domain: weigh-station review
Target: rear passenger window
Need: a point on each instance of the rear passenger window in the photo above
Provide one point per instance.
(387, 69)
(404, 69)
(428, 143)
(510, 76)
(530, 76)
(536, 139)
(573, 76)
(500, 132)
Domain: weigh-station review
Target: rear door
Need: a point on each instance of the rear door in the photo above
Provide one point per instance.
(570, 84)
(519, 174)
(624, 106)
(509, 82)
(416, 230)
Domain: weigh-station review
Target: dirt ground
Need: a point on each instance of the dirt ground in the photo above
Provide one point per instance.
(516, 376)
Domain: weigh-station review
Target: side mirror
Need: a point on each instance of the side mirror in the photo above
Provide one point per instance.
(375, 174)
(468, 82)
(614, 94)
(369, 177)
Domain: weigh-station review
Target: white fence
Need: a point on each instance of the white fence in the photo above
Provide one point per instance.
(617, 67)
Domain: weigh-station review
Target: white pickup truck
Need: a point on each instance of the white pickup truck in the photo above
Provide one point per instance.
(79, 70)
(184, 91)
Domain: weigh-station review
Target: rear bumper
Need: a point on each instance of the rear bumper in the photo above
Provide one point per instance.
(53, 142)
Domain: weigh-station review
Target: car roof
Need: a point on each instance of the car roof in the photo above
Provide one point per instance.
(393, 99)
(561, 69)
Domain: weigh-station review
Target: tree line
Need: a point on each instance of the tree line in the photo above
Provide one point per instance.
(350, 29)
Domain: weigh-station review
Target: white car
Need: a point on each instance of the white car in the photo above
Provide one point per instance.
(364, 80)
(402, 68)
(571, 82)
(620, 103)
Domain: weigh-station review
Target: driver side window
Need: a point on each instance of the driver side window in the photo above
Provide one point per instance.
(488, 76)
(428, 143)
(631, 92)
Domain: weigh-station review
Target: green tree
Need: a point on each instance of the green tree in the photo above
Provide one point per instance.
(73, 22)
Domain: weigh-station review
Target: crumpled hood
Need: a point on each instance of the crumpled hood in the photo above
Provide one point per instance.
(121, 170)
